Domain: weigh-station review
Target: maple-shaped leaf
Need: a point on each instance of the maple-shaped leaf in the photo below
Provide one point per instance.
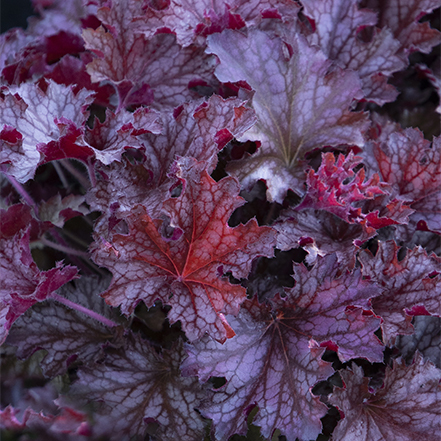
(45, 121)
(143, 70)
(411, 282)
(66, 334)
(23, 284)
(136, 386)
(119, 131)
(184, 271)
(405, 408)
(411, 165)
(320, 233)
(337, 24)
(198, 129)
(189, 19)
(300, 101)
(402, 17)
(275, 358)
(426, 339)
(264, 364)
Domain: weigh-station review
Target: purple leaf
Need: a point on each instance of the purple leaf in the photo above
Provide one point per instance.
(404, 408)
(407, 283)
(63, 333)
(301, 103)
(23, 284)
(136, 385)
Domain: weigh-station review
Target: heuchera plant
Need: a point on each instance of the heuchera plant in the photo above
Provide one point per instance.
(221, 220)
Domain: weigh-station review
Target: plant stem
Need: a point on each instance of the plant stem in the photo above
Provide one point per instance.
(75, 173)
(84, 310)
(63, 248)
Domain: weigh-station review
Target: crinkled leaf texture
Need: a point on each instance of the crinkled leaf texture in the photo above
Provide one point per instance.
(23, 284)
(66, 334)
(46, 121)
(185, 269)
(190, 19)
(110, 138)
(143, 70)
(413, 281)
(337, 24)
(301, 102)
(136, 386)
(412, 165)
(405, 408)
(320, 233)
(198, 129)
(275, 358)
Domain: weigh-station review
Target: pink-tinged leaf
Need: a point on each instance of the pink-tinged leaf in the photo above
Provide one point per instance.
(335, 187)
(138, 386)
(402, 18)
(268, 364)
(434, 76)
(414, 280)
(120, 131)
(48, 121)
(17, 217)
(135, 64)
(411, 164)
(300, 101)
(406, 408)
(68, 421)
(337, 24)
(190, 19)
(66, 334)
(320, 233)
(23, 284)
(197, 129)
(426, 339)
(184, 270)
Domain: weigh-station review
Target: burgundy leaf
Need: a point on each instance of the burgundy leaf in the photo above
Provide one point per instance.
(300, 101)
(135, 64)
(48, 121)
(68, 421)
(118, 132)
(190, 19)
(405, 408)
(411, 165)
(184, 271)
(335, 187)
(23, 284)
(63, 333)
(196, 129)
(409, 282)
(138, 386)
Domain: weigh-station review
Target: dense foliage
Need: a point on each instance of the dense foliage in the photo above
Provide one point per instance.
(221, 219)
